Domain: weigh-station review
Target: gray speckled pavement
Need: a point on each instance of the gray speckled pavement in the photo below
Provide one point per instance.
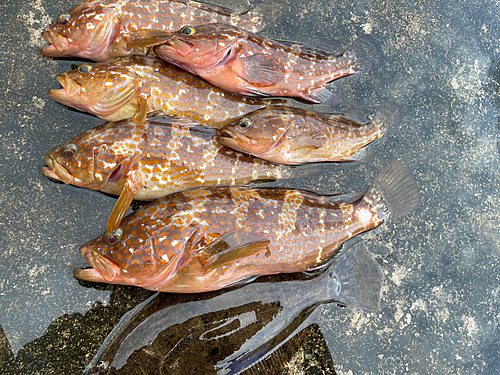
(440, 303)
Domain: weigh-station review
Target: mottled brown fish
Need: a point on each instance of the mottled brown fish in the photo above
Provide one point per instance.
(207, 239)
(150, 160)
(101, 29)
(132, 87)
(288, 135)
(246, 63)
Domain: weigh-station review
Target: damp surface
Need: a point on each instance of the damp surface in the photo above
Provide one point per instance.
(440, 300)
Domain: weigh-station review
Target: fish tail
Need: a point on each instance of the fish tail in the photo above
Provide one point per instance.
(386, 116)
(394, 192)
(364, 54)
(360, 278)
(265, 15)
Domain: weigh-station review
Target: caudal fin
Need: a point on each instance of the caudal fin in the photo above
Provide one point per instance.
(395, 190)
(360, 278)
(364, 54)
(386, 116)
(265, 15)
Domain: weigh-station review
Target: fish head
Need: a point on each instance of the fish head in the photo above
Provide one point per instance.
(105, 89)
(201, 47)
(85, 31)
(257, 132)
(144, 251)
(93, 159)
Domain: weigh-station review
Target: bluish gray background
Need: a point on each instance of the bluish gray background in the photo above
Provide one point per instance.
(440, 303)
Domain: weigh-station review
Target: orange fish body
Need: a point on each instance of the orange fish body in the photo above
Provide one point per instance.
(132, 87)
(150, 160)
(289, 135)
(207, 239)
(99, 30)
(250, 64)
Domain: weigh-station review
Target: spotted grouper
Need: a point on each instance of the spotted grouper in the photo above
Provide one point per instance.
(246, 63)
(211, 238)
(132, 87)
(101, 29)
(150, 160)
(288, 135)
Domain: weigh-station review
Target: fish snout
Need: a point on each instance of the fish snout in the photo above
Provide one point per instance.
(58, 43)
(56, 171)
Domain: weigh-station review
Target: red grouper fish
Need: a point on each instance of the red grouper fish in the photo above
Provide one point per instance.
(150, 160)
(245, 63)
(101, 29)
(132, 87)
(292, 136)
(207, 239)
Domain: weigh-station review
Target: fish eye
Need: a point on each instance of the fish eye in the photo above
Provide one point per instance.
(187, 30)
(84, 68)
(111, 238)
(68, 150)
(63, 19)
(245, 123)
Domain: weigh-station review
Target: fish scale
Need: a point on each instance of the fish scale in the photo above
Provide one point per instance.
(131, 87)
(162, 157)
(246, 63)
(99, 30)
(210, 238)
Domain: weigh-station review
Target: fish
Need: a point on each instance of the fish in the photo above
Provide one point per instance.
(99, 30)
(288, 135)
(250, 64)
(148, 161)
(135, 86)
(230, 331)
(207, 239)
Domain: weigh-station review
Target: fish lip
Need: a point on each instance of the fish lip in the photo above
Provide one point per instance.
(69, 86)
(58, 44)
(57, 171)
(93, 258)
(227, 136)
(180, 46)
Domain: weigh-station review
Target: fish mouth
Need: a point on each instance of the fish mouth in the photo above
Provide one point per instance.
(56, 171)
(58, 44)
(102, 269)
(232, 139)
(71, 94)
(179, 46)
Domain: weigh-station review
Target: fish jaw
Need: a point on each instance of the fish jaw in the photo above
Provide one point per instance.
(240, 142)
(57, 172)
(103, 270)
(72, 93)
(58, 44)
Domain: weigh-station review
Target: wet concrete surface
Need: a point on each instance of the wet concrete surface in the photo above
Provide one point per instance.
(440, 303)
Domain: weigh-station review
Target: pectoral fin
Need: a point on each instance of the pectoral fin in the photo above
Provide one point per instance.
(146, 38)
(140, 116)
(263, 70)
(310, 140)
(234, 246)
(129, 191)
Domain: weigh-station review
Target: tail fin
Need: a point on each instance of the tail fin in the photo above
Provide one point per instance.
(395, 190)
(265, 15)
(364, 54)
(360, 278)
(386, 116)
